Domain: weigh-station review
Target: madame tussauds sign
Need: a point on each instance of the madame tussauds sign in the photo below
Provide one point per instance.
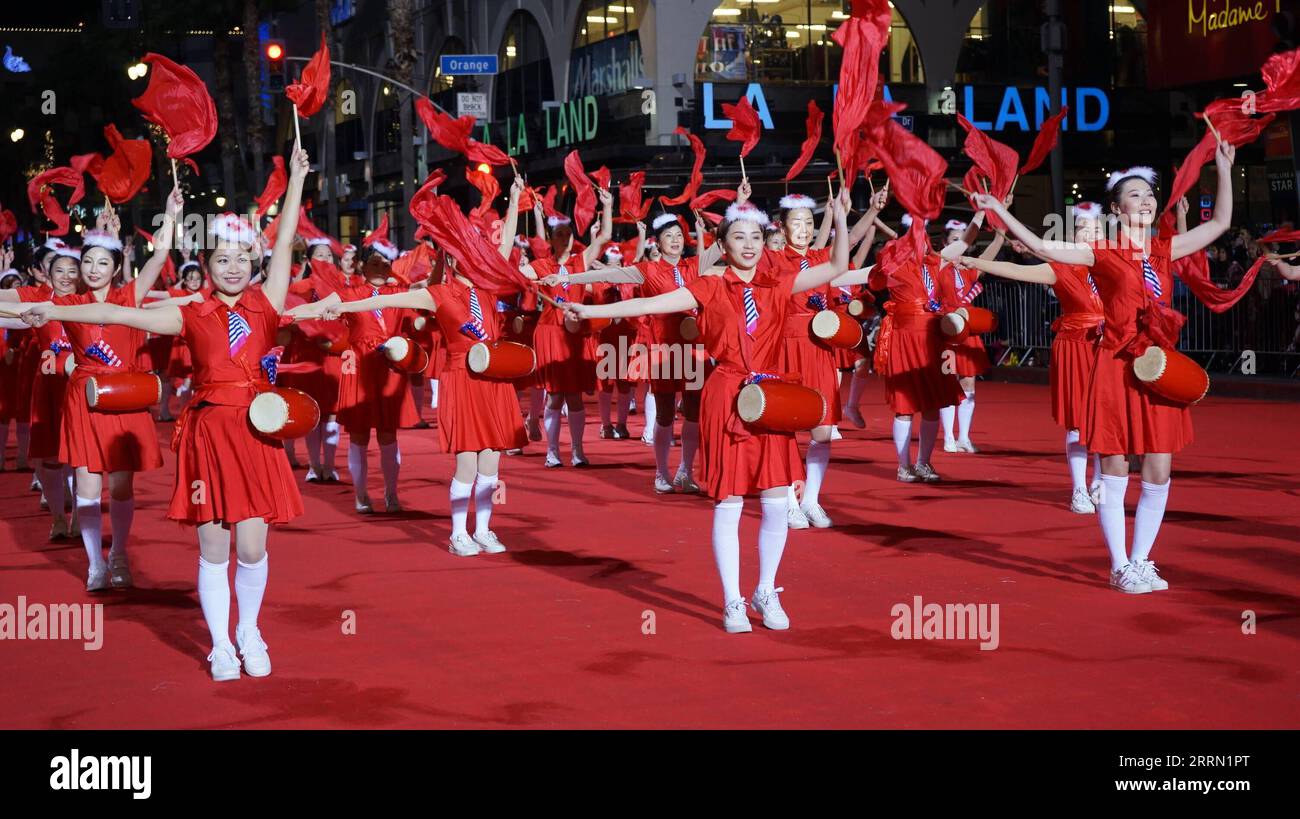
(1196, 41)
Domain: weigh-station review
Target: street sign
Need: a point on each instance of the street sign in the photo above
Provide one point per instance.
(465, 65)
(471, 104)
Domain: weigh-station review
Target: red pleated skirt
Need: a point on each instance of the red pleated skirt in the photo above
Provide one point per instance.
(970, 357)
(565, 361)
(476, 413)
(10, 377)
(1070, 374)
(374, 396)
(813, 361)
(227, 472)
(915, 380)
(1124, 418)
(736, 459)
(28, 359)
(47, 416)
(613, 351)
(105, 441)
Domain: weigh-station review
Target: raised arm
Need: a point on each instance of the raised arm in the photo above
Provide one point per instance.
(821, 274)
(1199, 237)
(606, 231)
(1035, 273)
(278, 270)
(865, 229)
(824, 230)
(163, 321)
(991, 252)
(162, 246)
(674, 301)
(511, 223)
(1063, 252)
(708, 256)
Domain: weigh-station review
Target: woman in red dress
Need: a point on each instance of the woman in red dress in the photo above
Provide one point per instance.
(24, 360)
(478, 417)
(228, 476)
(1133, 277)
(372, 395)
(617, 369)
(178, 369)
(1074, 347)
(566, 365)
(742, 320)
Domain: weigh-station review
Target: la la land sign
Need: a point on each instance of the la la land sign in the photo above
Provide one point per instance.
(562, 124)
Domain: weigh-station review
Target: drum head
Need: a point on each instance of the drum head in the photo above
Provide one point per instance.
(517, 324)
(826, 324)
(69, 364)
(478, 357)
(857, 307)
(269, 413)
(92, 391)
(953, 323)
(397, 348)
(750, 403)
(420, 323)
(690, 329)
(1150, 365)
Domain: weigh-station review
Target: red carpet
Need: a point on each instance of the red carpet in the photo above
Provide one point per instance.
(550, 634)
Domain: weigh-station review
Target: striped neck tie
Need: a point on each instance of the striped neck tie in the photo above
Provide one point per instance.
(932, 305)
(474, 328)
(961, 283)
(1150, 277)
(1092, 285)
(101, 352)
(677, 277)
(237, 332)
(379, 314)
(751, 312)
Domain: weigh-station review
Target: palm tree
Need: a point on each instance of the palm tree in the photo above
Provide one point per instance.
(401, 14)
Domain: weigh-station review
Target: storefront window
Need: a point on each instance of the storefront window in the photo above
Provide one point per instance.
(525, 68)
(1128, 37)
(599, 20)
(790, 41)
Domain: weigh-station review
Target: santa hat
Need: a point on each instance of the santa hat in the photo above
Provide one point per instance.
(101, 238)
(797, 200)
(613, 251)
(747, 213)
(318, 240)
(53, 243)
(186, 266)
(956, 224)
(1087, 210)
(663, 220)
(558, 221)
(378, 240)
(1142, 172)
(61, 248)
(349, 246)
(232, 228)
(907, 221)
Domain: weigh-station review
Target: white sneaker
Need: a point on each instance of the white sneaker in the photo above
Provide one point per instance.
(463, 546)
(648, 437)
(98, 580)
(769, 605)
(685, 484)
(662, 486)
(253, 649)
(950, 445)
(119, 571)
(1147, 572)
(364, 506)
(816, 515)
(1128, 579)
(734, 619)
(224, 665)
(965, 445)
(35, 485)
(906, 475)
(1081, 504)
(488, 541)
(926, 473)
(1094, 493)
(854, 416)
(45, 504)
(835, 433)
(312, 475)
(796, 518)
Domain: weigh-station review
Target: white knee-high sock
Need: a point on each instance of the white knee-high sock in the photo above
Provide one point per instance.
(726, 547)
(1146, 520)
(433, 393)
(606, 402)
(92, 526)
(329, 445)
(484, 487)
(663, 438)
(250, 587)
(947, 415)
(390, 461)
(925, 444)
(23, 438)
(1076, 457)
(358, 467)
(552, 419)
(903, 439)
(52, 480)
(459, 493)
(771, 540)
(1096, 468)
(819, 458)
(1110, 514)
(650, 422)
(577, 426)
(120, 515)
(313, 445)
(624, 406)
(965, 414)
(214, 599)
(690, 444)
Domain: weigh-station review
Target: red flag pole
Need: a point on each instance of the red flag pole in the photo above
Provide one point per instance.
(297, 135)
(743, 175)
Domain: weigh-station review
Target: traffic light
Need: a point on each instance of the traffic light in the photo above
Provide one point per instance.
(274, 52)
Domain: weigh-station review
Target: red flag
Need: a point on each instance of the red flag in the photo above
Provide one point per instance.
(479, 261)
(630, 206)
(313, 86)
(1045, 141)
(862, 38)
(41, 198)
(996, 161)
(814, 130)
(697, 171)
(548, 201)
(124, 171)
(1281, 74)
(584, 208)
(1280, 236)
(1194, 270)
(916, 172)
(1233, 126)
(178, 102)
(8, 225)
(706, 200)
(488, 187)
(745, 127)
(527, 199)
(602, 177)
(454, 135)
(276, 184)
(308, 231)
